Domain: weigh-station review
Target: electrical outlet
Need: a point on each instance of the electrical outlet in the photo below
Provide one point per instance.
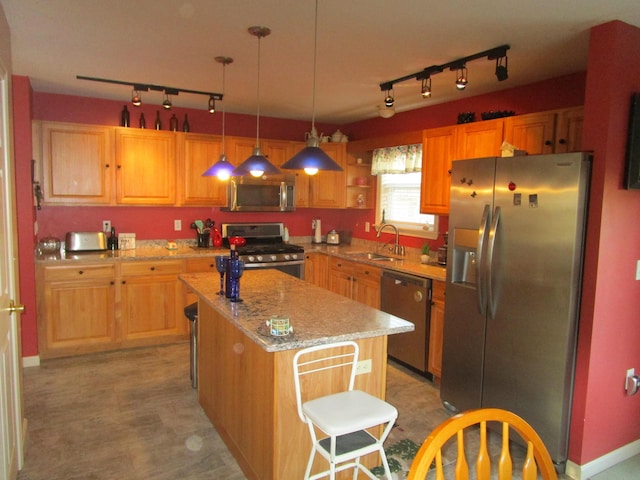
(367, 227)
(177, 225)
(106, 225)
(638, 270)
(363, 366)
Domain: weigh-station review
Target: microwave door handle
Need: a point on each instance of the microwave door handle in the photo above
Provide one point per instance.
(283, 196)
(233, 195)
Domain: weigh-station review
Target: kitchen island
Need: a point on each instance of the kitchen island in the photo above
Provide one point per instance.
(245, 375)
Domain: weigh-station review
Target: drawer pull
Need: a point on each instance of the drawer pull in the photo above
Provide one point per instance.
(80, 272)
(152, 268)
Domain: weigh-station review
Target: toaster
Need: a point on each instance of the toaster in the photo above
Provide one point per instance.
(85, 241)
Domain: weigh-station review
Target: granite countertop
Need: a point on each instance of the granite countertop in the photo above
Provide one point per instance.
(317, 315)
(156, 250)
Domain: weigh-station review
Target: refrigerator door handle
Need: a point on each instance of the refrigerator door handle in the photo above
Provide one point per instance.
(483, 231)
(491, 301)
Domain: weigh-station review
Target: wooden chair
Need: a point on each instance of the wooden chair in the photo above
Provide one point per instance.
(431, 449)
(347, 418)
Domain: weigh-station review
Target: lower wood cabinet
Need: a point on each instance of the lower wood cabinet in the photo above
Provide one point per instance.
(152, 301)
(86, 308)
(356, 281)
(76, 309)
(316, 269)
(434, 364)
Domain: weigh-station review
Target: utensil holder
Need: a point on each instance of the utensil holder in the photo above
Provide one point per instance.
(203, 239)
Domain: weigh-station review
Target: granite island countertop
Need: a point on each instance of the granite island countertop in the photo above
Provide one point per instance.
(317, 315)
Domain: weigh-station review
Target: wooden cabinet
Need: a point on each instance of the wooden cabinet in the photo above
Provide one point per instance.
(479, 139)
(316, 269)
(196, 153)
(438, 150)
(77, 163)
(327, 188)
(76, 309)
(199, 265)
(357, 281)
(557, 131)
(434, 364)
(152, 301)
(146, 167)
(85, 308)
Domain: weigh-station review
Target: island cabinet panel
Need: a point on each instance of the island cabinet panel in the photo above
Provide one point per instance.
(146, 167)
(77, 163)
(152, 300)
(76, 311)
(249, 396)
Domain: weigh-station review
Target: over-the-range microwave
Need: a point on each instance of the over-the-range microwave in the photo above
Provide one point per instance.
(273, 193)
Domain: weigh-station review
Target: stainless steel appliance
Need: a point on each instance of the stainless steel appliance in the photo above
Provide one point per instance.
(85, 241)
(265, 247)
(408, 297)
(516, 237)
(275, 193)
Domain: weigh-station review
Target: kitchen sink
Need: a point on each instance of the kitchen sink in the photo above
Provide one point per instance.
(372, 256)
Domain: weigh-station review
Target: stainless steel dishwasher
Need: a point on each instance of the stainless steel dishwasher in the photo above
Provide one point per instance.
(408, 297)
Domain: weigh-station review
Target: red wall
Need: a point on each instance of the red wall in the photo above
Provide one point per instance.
(604, 418)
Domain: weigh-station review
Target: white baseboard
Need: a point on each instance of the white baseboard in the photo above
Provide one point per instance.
(30, 361)
(588, 470)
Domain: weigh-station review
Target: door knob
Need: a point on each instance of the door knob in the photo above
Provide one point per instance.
(14, 308)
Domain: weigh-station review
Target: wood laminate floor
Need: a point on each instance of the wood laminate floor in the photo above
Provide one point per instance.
(133, 415)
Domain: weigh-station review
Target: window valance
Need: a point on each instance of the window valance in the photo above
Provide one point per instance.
(401, 159)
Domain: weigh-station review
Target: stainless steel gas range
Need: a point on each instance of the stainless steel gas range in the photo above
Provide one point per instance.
(265, 247)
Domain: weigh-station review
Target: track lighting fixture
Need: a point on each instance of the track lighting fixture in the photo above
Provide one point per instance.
(222, 168)
(461, 77)
(136, 101)
(257, 164)
(426, 87)
(388, 100)
(212, 105)
(312, 158)
(460, 66)
(145, 87)
(501, 70)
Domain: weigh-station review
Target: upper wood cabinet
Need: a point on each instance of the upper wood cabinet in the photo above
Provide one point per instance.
(438, 150)
(327, 188)
(479, 139)
(557, 131)
(196, 153)
(77, 163)
(146, 167)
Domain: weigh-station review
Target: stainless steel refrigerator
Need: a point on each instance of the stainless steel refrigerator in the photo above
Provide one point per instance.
(514, 268)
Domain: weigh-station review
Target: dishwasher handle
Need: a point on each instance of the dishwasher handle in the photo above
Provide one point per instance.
(403, 279)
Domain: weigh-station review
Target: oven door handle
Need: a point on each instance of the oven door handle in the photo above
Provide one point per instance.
(272, 264)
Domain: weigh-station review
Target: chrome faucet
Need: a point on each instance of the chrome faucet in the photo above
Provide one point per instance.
(397, 248)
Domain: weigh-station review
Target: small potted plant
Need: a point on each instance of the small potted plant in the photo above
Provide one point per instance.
(424, 258)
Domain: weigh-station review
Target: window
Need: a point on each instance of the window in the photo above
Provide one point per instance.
(398, 202)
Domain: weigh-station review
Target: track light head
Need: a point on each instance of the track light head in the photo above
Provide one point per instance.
(461, 78)
(136, 101)
(501, 70)
(166, 104)
(212, 105)
(426, 87)
(388, 101)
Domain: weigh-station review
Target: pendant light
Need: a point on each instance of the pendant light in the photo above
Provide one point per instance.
(257, 164)
(312, 158)
(222, 168)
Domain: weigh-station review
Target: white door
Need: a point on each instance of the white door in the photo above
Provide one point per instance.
(10, 367)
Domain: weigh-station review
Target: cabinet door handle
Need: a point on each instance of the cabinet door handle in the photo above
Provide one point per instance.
(80, 272)
(107, 166)
(112, 282)
(548, 143)
(152, 268)
(562, 141)
(124, 282)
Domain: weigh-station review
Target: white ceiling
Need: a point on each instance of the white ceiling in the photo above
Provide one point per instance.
(361, 43)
